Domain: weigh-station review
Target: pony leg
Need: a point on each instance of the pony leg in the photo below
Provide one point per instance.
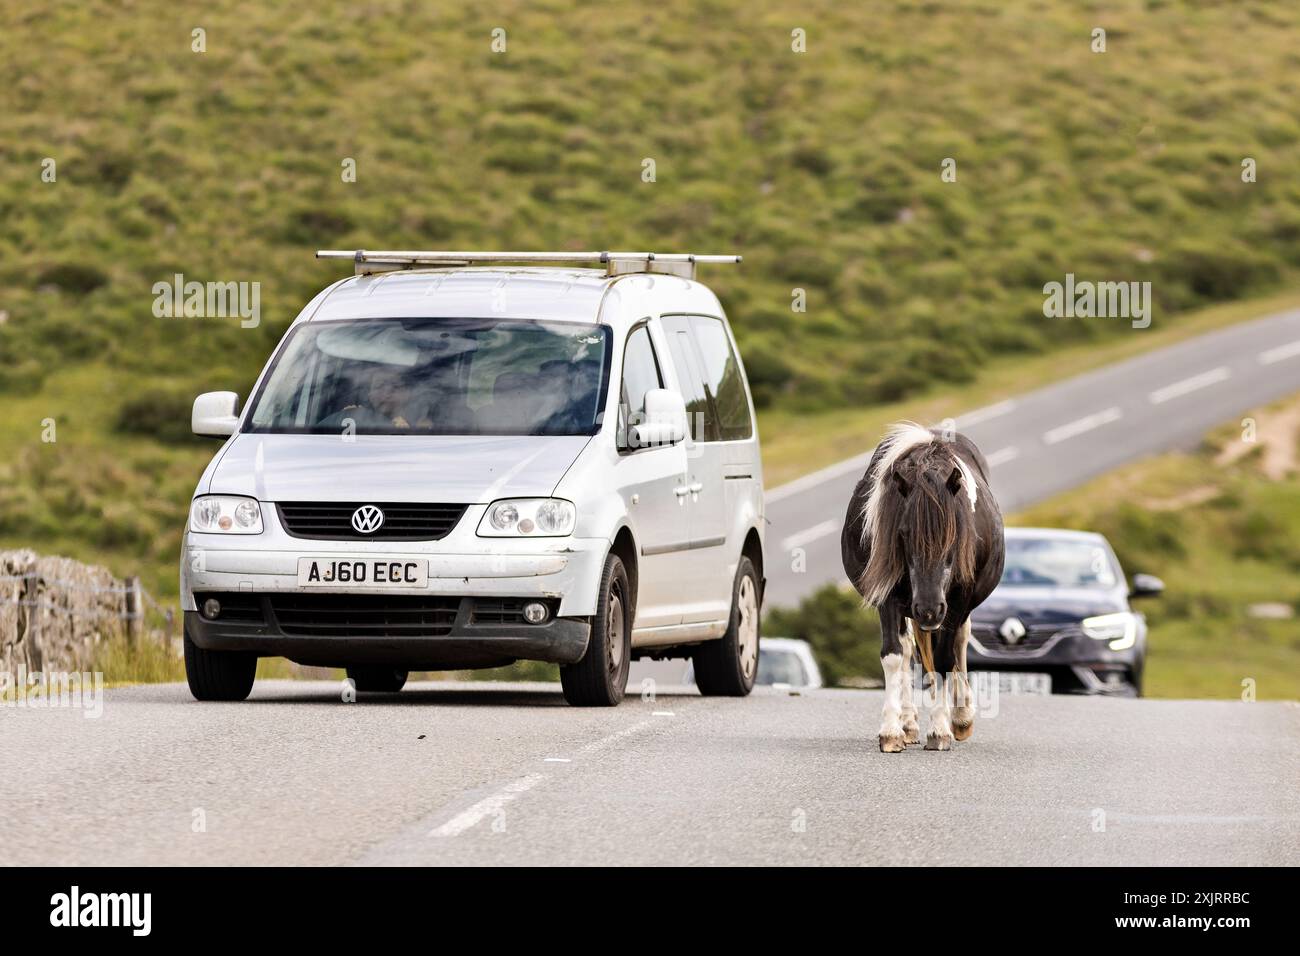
(891, 662)
(939, 736)
(911, 729)
(963, 714)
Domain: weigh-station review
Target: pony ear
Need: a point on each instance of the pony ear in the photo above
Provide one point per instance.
(903, 486)
(954, 480)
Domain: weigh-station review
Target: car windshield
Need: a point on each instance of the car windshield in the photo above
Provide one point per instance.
(1058, 562)
(437, 377)
(780, 667)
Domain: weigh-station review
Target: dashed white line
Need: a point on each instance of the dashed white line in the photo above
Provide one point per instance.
(857, 463)
(984, 414)
(1085, 424)
(1188, 385)
(488, 806)
(800, 538)
(1002, 456)
(1291, 350)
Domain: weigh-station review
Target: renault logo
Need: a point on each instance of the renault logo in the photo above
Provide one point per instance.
(1011, 630)
(367, 519)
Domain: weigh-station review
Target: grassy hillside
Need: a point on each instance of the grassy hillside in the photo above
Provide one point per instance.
(822, 168)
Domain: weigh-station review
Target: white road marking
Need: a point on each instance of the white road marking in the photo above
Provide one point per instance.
(1187, 385)
(1290, 350)
(857, 463)
(664, 713)
(488, 806)
(799, 539)
(1085, 424)
(1002, 456)
(493, 803)
(984, 414)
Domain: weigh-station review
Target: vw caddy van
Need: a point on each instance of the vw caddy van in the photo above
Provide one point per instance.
(461, 460)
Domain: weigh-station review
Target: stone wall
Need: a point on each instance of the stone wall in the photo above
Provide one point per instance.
(53, 611)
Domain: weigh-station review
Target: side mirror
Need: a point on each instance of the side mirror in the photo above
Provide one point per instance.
(1146, 585)
(215, 415)
(665, 420)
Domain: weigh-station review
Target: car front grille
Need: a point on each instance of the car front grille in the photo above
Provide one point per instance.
(364, 615)
(402, 522)
(1036, 635)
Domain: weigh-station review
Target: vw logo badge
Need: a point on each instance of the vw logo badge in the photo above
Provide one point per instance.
(1012, 630)
(367, 519)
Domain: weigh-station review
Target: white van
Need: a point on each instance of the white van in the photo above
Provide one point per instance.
(449, 466)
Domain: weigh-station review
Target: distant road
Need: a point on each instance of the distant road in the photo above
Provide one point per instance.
(1053, 439)
(506, 774)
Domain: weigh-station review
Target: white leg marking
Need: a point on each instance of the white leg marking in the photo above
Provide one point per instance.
(911, 729)
(963, 698)
(940, 734)
(891, 729)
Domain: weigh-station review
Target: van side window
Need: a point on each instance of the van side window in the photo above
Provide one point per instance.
(722, 378)
(640, 374)
(687, 362)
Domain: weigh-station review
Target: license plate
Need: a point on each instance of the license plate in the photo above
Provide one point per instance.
(362, 573)
(1022, 683)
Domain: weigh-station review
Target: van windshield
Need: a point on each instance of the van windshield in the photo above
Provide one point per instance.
(436, 377)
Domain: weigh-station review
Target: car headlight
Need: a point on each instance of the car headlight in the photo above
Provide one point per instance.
(1120, 629)
(528, 518)
(225, 514)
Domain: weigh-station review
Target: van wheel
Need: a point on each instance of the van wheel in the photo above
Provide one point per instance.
(600, 677)
(727, 667)
(378, 679)
(218, 675)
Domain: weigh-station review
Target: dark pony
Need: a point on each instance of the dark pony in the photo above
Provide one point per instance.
(922, 543)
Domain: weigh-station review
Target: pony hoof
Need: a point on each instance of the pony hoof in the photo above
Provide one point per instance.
(892, 744)
(936, 742)
(963, 733)
(911, 733)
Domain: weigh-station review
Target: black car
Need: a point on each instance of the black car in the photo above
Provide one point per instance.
(1060, 619)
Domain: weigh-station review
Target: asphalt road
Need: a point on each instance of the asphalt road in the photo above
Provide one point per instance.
(508, 774)
(1050, 440)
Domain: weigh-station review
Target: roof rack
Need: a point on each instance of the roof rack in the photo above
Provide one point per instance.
(367, 262)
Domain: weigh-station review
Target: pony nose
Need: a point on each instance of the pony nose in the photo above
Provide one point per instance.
(929, 617)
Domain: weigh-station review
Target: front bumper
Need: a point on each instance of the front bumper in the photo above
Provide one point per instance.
(463, 641)
(1078, 663)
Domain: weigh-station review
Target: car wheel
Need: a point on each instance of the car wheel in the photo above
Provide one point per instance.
(218, 675)
(378, 679)
(727, 667)
(600, 677)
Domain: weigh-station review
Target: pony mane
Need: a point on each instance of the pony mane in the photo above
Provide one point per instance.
(937, 522)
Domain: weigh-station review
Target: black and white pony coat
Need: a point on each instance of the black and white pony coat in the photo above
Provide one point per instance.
(923, 544)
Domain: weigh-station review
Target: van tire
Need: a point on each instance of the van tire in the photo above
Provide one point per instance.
(377, 679)
(727, 667)
(218, 675)
(599, 678)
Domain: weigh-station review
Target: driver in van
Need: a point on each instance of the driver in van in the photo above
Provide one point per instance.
(389, 403)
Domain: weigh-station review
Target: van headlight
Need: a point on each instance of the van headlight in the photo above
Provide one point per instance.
(1120, 629)
(225, 514)
(528, 518)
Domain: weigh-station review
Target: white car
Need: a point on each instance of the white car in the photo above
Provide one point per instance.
(449, 466)
(783, 662)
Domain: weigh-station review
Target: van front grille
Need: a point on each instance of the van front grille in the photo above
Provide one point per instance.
(402, 522)
(364, 615)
